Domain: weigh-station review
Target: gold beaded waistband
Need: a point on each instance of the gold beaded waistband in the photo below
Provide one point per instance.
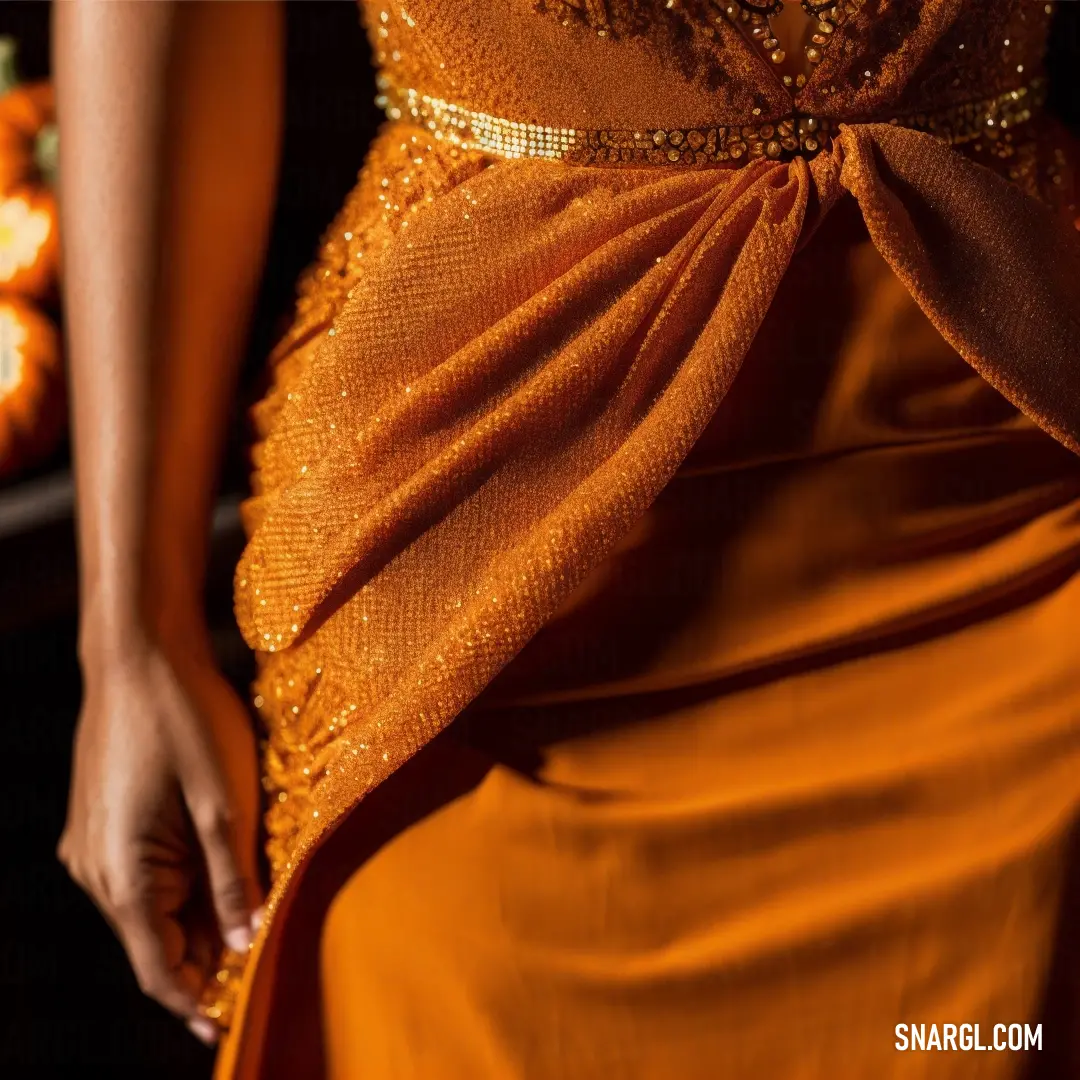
(991, 119)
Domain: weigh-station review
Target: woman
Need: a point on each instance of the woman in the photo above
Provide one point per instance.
(681, 419)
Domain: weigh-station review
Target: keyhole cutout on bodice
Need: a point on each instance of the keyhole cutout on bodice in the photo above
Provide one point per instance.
(790, 36)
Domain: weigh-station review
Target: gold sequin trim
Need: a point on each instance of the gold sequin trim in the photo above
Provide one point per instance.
(470, 129)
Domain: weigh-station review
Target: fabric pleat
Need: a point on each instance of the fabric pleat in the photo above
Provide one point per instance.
(969, 245)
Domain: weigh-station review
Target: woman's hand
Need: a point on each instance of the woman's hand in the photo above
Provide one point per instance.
(162, 815)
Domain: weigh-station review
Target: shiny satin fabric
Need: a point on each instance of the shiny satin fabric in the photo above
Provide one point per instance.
(524, 356)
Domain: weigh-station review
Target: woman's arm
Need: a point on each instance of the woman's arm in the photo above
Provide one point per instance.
(170, 120)
(110, 61)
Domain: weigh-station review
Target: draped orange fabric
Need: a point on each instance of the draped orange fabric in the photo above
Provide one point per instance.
(499, 365)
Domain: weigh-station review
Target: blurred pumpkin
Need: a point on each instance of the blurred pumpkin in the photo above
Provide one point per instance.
(32, 390)
(29, 244)
(27, 131)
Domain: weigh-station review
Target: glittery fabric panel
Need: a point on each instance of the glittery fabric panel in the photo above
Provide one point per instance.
(890, 39)
(491, 455)
(645, 64)
(405, 169)
(896, 57)
(988, 49)
(680, 66)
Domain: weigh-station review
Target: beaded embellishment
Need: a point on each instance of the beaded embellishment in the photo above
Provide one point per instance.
(753, 17)
(813, 8)
(992, 119)
(470, 129)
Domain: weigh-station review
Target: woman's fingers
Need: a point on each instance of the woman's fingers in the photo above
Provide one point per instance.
(216, 765)
(206, 1031)
(146, 937)
(154, 943)
(171, 944)
(230, 866)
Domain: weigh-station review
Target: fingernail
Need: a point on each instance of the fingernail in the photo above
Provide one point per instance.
(204, 1030)
(257, 917)
(238, 938)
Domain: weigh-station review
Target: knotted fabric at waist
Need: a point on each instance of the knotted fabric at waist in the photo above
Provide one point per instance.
(990, 120)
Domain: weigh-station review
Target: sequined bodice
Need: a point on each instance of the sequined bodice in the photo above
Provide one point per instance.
(686, 63)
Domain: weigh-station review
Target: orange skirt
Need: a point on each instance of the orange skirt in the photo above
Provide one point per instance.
(759, 883)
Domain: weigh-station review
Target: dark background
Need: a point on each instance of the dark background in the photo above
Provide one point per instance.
(73, 1005)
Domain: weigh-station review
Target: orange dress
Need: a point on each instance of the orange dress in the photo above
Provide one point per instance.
(664, 551)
